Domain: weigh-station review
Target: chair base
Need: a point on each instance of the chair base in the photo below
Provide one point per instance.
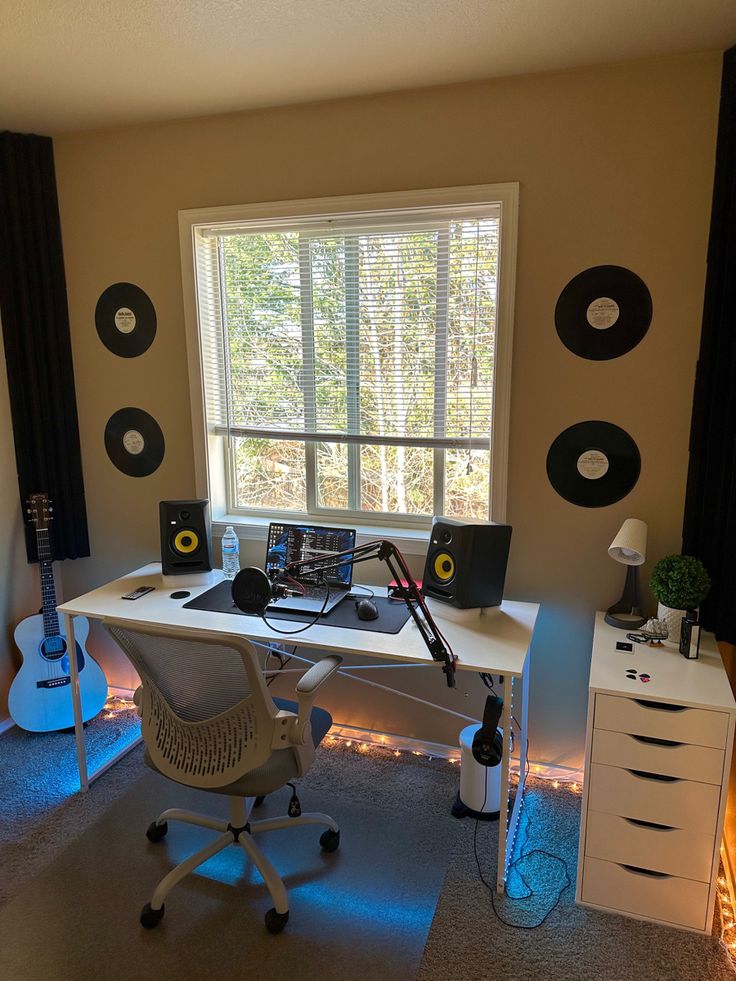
(239, 831)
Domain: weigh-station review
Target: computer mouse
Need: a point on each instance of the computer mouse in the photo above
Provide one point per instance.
(367, 609)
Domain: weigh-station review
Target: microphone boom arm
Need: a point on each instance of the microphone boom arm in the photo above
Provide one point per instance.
(407, 588)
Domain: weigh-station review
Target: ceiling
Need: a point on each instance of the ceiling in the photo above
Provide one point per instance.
(79, 64)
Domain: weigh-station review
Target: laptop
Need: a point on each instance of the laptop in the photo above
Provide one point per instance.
(291, 543)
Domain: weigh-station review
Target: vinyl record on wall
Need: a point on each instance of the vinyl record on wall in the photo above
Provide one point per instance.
(603, 312)
(125, 319)
(593, 464)
(134, 442)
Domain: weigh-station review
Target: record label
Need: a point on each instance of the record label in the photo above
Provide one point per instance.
(593, 464)
(603, 312)
(134, 442)
(125, 319)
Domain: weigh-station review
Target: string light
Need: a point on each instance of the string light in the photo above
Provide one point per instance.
(117, 703)
(380, 744)
(727, 918)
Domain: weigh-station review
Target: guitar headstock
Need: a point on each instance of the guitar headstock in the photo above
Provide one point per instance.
(40, 511)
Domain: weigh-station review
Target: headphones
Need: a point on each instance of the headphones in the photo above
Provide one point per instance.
(488, 741)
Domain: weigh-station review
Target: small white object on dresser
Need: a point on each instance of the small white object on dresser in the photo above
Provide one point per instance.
(657, 759)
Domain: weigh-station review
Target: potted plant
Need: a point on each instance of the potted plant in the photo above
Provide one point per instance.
(680, 583)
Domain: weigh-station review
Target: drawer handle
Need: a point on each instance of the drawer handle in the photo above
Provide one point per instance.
(664, 706)
(654, 776)
(638, 871)
(649, 824)
(655, 742)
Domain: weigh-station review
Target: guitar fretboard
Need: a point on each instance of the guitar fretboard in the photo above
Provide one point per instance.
(48, 587)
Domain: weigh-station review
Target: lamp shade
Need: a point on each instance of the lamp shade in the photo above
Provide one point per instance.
(630, 545)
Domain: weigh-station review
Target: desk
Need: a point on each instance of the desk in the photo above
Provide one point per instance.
(497, 643)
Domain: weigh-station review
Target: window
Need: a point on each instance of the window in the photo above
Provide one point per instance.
(347, 358)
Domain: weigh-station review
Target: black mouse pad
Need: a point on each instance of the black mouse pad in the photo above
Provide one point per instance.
(392, 614)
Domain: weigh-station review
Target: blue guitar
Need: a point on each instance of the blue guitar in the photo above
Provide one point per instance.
(40, 698)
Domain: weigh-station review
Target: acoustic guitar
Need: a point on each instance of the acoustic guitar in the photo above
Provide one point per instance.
(40, 697)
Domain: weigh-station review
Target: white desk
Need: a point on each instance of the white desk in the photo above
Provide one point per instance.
(497, 643)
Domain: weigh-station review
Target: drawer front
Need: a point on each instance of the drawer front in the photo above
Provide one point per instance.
(682, 902)
(679, 803)
(699, 763)
(698, 727)
(687, 854)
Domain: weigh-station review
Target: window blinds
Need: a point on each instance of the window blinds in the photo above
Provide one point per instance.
(358, 332)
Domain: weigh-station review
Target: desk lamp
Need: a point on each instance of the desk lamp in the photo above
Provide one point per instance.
(630, 548)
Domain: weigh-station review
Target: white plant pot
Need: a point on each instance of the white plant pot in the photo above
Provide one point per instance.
(673, 618)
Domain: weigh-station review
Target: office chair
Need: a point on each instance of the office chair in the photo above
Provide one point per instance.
(208, 721)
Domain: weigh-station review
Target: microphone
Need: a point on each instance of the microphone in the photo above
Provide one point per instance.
(252, 590)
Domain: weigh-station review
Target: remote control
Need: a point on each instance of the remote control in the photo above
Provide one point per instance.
(137, 593)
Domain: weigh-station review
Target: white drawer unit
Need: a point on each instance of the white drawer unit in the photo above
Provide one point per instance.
(672, 759)
(638, 892)
(677, 723)
(657, 757)
(655, 798)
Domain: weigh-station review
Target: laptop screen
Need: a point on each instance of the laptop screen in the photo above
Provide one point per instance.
(291, 543)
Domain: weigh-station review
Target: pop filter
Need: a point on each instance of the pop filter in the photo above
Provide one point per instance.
(252, 590)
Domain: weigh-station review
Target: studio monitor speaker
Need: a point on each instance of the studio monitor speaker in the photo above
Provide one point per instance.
(185, 543)
(466, 563)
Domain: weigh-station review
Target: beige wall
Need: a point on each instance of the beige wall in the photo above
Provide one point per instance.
(615, 166)
(19, 592)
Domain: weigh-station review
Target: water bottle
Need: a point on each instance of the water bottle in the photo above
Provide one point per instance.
(230, 553)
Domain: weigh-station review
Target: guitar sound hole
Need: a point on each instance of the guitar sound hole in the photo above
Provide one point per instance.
(53, 648)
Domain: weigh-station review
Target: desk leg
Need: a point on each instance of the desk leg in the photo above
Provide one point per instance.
(503, 817)
(509, 822)
(76, 703)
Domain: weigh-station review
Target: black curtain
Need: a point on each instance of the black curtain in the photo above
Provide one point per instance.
(709, 530)
(35, 323)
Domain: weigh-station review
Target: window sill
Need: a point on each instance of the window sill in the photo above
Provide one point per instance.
(411, 541)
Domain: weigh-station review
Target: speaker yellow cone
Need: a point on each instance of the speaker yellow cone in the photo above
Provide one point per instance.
(186, 541)
(444, 566)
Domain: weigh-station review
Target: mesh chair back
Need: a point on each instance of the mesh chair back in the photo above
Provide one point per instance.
(207, 717)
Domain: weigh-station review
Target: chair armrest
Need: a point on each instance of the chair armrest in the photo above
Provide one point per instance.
(306, 690)
(318, 674)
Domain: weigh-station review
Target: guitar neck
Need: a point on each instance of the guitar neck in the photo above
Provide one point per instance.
(48, 587)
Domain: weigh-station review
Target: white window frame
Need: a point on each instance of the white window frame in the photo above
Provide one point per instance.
(210, 467)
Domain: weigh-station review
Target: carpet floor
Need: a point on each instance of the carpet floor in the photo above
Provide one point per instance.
(469, 942)
(363, 912)
(402, 899)
(40, 809)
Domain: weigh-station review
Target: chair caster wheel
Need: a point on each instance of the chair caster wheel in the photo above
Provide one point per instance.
(151, 917)
(275, 922)
(330, 840)
(157, 832)
(259, 800)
